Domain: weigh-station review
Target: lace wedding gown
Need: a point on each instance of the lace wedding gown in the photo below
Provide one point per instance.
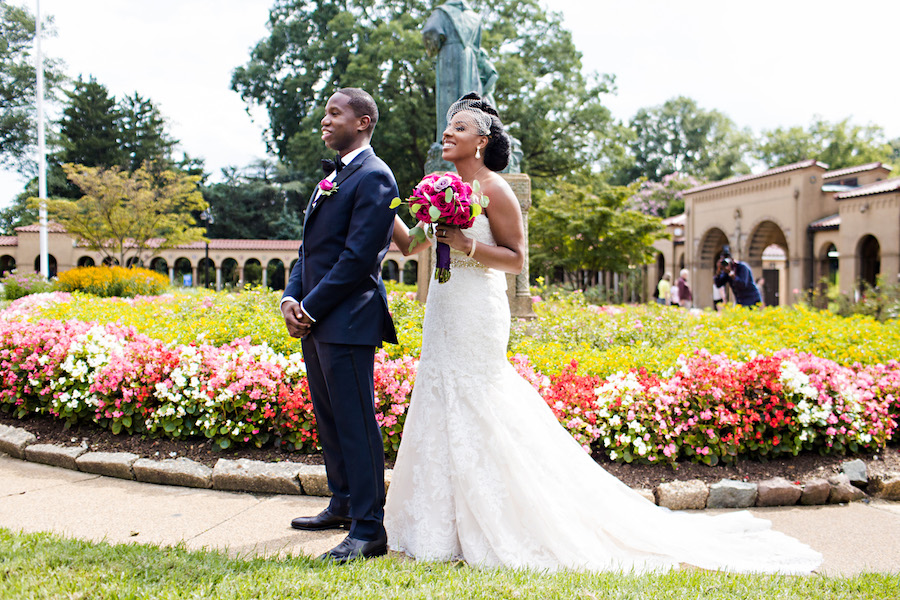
(486, 474)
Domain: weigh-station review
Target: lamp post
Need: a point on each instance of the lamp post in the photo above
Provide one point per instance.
(42, 158)
(206, 217)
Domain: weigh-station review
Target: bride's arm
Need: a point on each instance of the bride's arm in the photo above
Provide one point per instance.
(402, 238)
(505, 218)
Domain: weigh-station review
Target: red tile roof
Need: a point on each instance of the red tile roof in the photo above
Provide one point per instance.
(214, 244)
(857, 169)
(829, 222)
(217, 244)
(36, 228)
(879, 187)
(742, 178)
(674, 220)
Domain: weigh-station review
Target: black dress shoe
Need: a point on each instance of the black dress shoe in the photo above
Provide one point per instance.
(323, 520)
(352, 548)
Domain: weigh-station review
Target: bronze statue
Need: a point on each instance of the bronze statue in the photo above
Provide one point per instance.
(453, 34)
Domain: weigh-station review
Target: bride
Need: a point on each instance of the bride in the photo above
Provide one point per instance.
(485, 473)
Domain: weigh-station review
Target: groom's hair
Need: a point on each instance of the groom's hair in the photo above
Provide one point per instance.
(362, 103)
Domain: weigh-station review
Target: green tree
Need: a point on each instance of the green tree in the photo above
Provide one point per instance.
(578, 230)
(143, 133)
(545, 98)
(679, 136)
(317, 47)
(663, 198)
(841, 144)
(21, 211)
(258, 202)
(18, 81)
(126, 214)
(90, 131)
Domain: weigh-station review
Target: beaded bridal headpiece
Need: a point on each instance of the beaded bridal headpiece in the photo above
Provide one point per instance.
(474, 116)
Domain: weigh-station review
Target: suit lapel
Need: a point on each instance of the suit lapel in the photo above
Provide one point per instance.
(345, 174)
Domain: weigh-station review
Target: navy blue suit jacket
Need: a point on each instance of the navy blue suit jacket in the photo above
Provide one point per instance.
(345, 238)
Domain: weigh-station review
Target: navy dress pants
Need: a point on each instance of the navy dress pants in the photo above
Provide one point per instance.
(341, 384)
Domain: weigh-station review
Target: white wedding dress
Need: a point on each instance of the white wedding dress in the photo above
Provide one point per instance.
(486, 474)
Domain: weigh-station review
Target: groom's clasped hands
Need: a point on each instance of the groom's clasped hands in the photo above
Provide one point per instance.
(296, 321)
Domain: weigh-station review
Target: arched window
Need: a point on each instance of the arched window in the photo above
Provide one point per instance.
(51, 264)
(7, 264)
(411, 272)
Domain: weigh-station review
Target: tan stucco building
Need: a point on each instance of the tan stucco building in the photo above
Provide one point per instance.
(794, 225)
(231, 263)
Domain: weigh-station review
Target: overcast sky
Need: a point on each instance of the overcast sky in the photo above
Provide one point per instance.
(765, 64)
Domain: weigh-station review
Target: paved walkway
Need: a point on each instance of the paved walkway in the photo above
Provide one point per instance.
(854, 538)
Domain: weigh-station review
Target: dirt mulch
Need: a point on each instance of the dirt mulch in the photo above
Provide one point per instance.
(801, 468)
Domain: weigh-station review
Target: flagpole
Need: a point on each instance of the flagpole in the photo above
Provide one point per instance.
(42, 162)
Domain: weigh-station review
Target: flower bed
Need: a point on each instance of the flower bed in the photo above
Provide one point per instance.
(706, 408)
(235, 394)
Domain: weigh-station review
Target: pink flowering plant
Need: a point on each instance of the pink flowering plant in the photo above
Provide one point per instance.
(15, 285)
(394, 379)
(443, 199)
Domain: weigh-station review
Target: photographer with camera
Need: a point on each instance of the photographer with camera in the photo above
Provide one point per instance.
(739, 276)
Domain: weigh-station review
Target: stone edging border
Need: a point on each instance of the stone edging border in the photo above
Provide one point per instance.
(243, 475)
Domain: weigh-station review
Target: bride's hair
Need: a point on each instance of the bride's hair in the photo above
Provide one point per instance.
(496, 153)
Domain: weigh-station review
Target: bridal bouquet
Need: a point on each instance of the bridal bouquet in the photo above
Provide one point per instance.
(442, 199)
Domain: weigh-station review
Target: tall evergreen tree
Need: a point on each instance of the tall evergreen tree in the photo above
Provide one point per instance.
(90, 130)
(143, 133)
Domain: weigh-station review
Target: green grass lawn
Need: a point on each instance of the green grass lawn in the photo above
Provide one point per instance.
(46, 566)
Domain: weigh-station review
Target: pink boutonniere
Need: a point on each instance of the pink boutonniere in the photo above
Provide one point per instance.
(327, 188)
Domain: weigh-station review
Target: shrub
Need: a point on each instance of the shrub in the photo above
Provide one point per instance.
(109, 282)
(17, 285)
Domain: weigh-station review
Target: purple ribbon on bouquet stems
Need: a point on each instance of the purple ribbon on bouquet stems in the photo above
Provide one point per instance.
(442, 269)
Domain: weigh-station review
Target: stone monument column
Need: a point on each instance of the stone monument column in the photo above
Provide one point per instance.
(453, 35)
(518, 292)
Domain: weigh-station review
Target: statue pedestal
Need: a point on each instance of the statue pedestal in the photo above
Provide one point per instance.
(520, 305)
(435, 162)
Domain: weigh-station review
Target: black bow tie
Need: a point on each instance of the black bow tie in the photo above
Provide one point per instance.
(329, 165)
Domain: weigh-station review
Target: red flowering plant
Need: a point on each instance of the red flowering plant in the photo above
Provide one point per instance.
(571, 398)
(442, 199)
(292, 418)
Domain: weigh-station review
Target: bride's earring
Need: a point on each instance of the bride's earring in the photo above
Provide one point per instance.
(477, 152)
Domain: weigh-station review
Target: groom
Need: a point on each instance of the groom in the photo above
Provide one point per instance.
(336, 302)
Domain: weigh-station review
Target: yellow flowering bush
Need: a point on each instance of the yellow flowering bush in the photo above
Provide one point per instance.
(602, 340)
(108, 282)
(608, 339)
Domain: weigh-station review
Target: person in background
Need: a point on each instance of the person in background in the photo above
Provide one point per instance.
(761, 286)
(663, 289)
(718, 296)
(685, 297)
(738, 275)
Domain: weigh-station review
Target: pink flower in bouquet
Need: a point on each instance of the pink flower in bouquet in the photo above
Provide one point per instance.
(443, 199)
(442, 183)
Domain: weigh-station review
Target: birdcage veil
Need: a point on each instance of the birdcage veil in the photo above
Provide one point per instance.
(473, 113)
